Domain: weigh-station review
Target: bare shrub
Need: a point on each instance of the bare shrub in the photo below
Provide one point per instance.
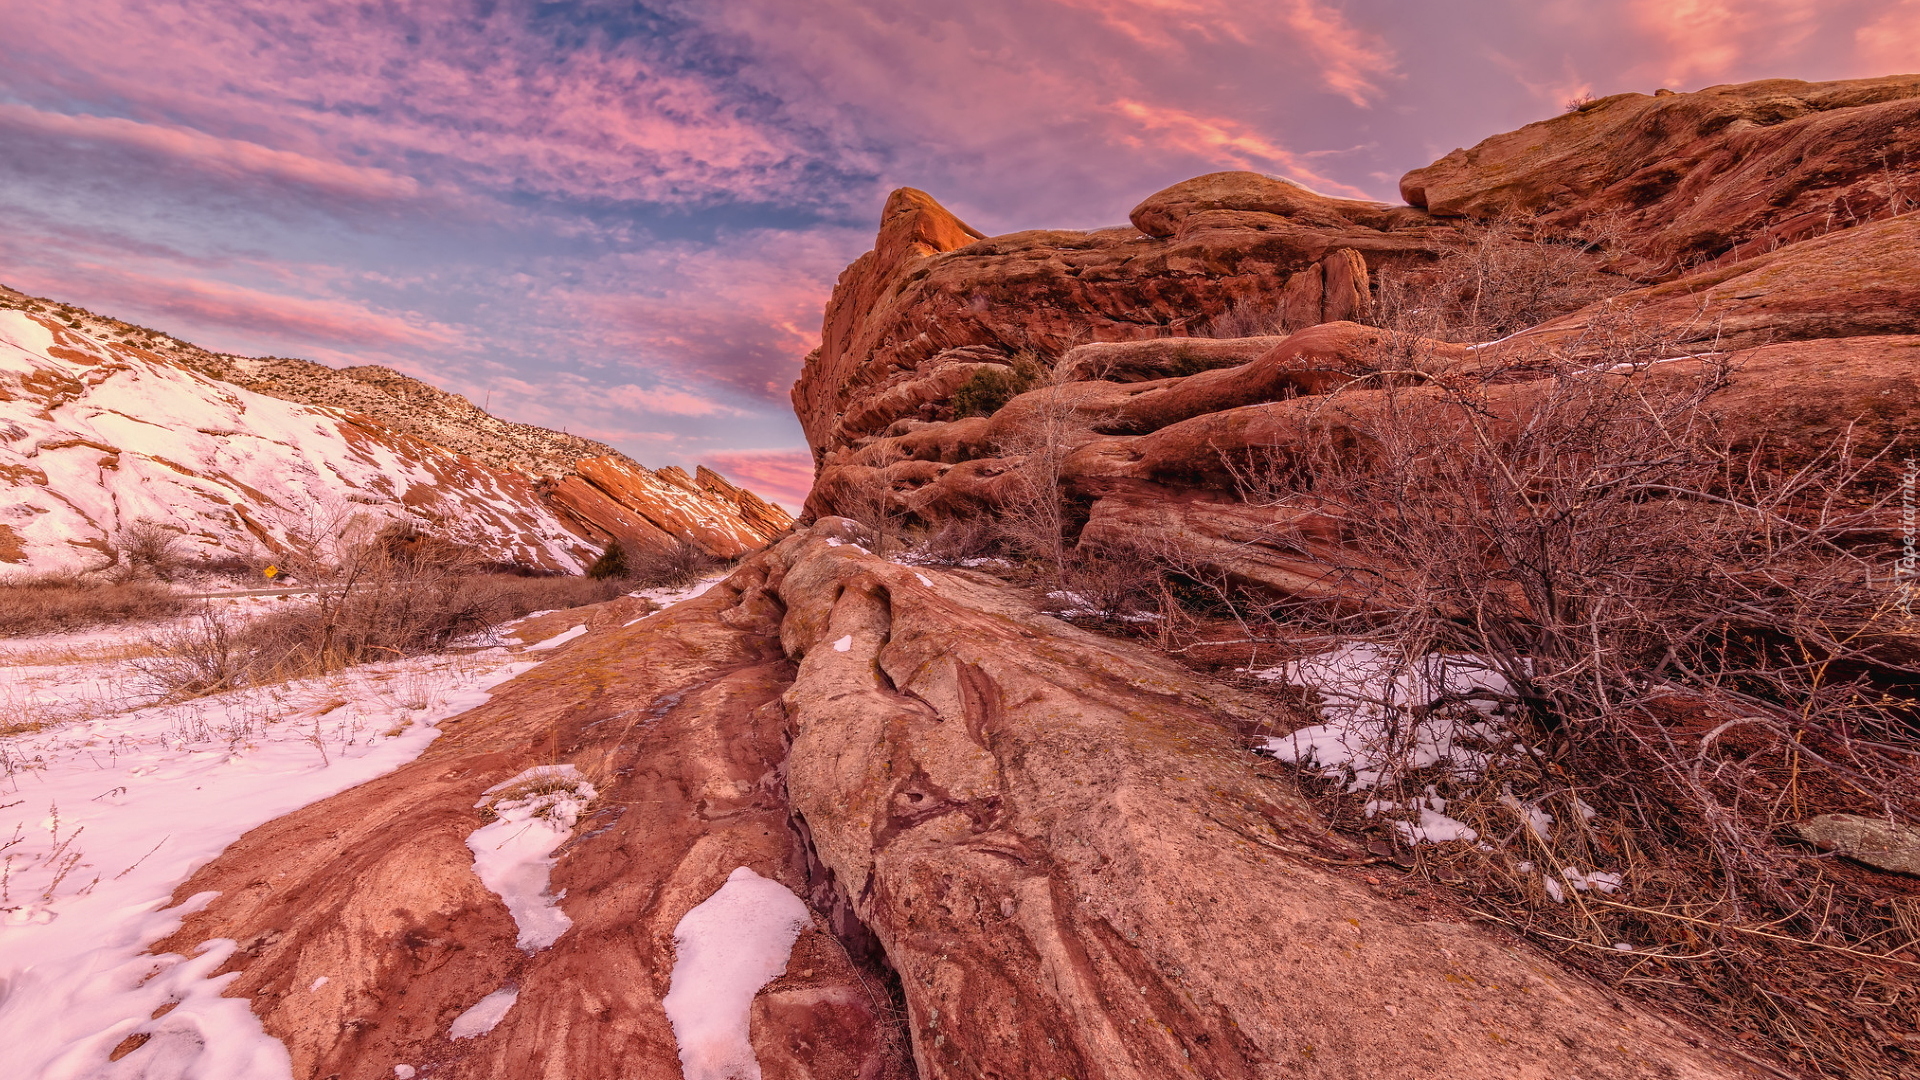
(680, 564)
(147, 549)
(1700, 647)
(962, 538)
(1034, 518)
(1249, 317)
(55, 603)
(881, 517)
(387, 606)
(1496, 281)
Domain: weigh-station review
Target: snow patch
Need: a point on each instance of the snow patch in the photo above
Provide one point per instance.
(726, 949)
(844, 644)
(1371, 697)
(534, 813)
(557, 640)
(485, 1015)
(142, 797)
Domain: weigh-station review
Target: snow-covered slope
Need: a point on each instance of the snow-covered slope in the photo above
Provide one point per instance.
(98, 435)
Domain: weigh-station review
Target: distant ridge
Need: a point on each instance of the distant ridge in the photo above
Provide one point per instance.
(525, 494)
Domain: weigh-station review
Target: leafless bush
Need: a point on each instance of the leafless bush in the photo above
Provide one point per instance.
(1249, 317)
(1034, 519)
(881, 517)
(53, 603)
(961, 538)
(386, 607)
(1701, 648)
(1495, 282)
(680, 564)
(147, 549)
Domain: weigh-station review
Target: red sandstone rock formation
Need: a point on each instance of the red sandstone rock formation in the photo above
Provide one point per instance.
(1049, 839)
(1148, 423)
(1724, 173)
(934, 296)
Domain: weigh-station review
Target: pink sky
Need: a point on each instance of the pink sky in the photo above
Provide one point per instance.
(623, 219)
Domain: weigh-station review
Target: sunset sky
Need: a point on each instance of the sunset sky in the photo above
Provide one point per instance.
(623, 219)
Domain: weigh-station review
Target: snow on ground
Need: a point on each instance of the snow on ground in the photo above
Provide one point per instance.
(513, 855)
(103, 816)
(727, 948)
(558, 639)
(109, 801)
(1371, 698)
(1379, 730)
(666, 598)
(485, 1015)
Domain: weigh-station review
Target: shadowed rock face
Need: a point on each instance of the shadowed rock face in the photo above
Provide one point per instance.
(1044, 845)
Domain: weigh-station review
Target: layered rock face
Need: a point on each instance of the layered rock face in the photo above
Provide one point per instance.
(101, 430)
(1721, 174)
(913, 319)
(1026, 851)
(1145, 423)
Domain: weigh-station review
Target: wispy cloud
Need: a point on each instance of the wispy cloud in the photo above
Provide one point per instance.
(784, 476)
(625, 218)
(199, 149)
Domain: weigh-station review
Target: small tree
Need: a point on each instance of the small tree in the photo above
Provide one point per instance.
(612, 563)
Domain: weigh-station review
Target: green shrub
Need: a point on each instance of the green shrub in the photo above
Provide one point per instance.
(992, 387)
(612, 563)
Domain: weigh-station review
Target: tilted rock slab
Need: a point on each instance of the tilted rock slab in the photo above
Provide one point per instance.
(1724, 173)
(1053, 839)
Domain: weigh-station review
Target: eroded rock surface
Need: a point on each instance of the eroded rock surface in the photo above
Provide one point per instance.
(1052, 841)
(1722, 173)
(1750, 211)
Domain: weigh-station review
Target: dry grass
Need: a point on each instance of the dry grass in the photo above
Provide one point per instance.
(387, 610)
(57, 604)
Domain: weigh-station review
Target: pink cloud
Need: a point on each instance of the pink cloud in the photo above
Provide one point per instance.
(206, 151)
(1227, 142)
(1892, 42)
(663, 401)
(258, 315)
(782, 475)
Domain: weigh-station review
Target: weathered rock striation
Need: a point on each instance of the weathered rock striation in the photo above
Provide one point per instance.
(1044, 845)
(1813, 286)
(1722, 174)
(933, 295)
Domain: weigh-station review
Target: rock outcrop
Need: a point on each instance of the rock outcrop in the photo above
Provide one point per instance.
(933, 295)
(1723, 174)
(1151, 428)
(102, 428)
(1041, 849)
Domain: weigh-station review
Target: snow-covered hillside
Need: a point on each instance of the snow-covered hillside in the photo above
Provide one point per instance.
(97, 435)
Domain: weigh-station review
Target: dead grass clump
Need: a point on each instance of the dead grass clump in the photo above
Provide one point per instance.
(1696, 645)
(58, 603)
